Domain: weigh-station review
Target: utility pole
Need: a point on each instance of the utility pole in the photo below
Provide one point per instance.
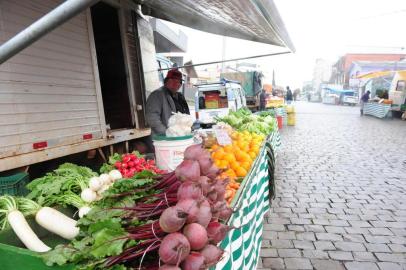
(273, 78)
(223, 54)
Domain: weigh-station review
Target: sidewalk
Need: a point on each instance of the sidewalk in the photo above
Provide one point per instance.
(341, 193)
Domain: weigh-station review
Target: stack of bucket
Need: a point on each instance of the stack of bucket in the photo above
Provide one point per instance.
(291, 115)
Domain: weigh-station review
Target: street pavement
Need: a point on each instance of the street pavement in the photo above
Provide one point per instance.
(341, 193)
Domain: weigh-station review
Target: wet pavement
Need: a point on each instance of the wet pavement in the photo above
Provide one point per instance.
(341, 193)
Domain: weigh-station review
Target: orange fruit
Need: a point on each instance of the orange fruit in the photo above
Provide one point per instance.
(239, 155)
(252, 154)
(229, 157)
(215, 147)
(241, 172)
(217, 163)
(246, 165)
(219, 154)
(228, 148)
(242, 157)
(231, 173)
(241, 143)
(234, 165)
(223, 164)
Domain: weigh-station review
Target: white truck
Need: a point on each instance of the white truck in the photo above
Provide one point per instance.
(77, 75)
(230, 97)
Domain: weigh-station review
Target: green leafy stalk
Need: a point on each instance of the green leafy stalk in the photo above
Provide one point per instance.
(68, 178)
(68, 198)
(7, 204)
(27, 207)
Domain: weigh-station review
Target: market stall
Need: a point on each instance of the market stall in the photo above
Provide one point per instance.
(377, 109)
(253, 201)
(105, 239)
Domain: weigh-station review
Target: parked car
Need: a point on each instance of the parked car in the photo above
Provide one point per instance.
(217, 99)
(350, 100)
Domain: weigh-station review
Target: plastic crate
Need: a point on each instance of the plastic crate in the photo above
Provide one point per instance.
(14, 184)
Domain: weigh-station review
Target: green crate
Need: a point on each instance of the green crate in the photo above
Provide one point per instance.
(14, 184)
(14, 258)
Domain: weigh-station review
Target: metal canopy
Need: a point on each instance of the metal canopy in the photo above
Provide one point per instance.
(255, 20)
(42, 26)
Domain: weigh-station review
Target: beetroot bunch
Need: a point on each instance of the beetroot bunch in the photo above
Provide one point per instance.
(194, 223)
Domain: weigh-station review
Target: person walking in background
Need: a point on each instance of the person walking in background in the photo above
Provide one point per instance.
(296, 94)
(289, 95)
(262, 100)
(364, 99)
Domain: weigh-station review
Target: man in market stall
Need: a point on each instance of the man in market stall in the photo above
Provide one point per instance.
(262, 100)
(164, 101)
(364, 99)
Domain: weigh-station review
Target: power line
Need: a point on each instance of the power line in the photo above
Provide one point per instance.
(382, 14)
(230, 60)
(375, 46)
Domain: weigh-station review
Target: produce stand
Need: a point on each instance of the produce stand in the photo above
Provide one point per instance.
(376, 109)
(242, 245)
(250, 201)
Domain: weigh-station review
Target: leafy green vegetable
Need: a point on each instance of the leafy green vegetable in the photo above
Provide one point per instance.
(243, 119)
(108, 242)
(67, 179)
(60, 255)
(114, 158)
(103, 230)
(101, 235)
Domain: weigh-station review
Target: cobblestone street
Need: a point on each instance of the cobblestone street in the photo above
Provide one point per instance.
(341, 193)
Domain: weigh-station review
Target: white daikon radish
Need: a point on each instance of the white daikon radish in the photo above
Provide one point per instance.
(84, 210)
(56, 222)
(95, 184)
(88, 195)
(11, 215)
(105, 178)
(24, 232)
(115, 175)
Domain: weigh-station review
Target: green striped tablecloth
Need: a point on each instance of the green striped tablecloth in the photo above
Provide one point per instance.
(376, 109)
(242, 245)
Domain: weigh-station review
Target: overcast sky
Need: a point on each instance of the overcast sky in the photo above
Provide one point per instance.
(319, 29)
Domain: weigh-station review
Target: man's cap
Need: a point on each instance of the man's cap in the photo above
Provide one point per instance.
(174, 74)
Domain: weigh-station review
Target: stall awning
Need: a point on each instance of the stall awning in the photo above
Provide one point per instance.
(376, 74)
(255, 20)
(340, 91)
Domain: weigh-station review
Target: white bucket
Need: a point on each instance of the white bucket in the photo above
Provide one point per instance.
(169, 151)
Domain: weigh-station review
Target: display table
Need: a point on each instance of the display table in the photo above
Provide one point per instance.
(242, 245)
(377, 109)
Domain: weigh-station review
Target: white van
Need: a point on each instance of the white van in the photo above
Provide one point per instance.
(217, 99)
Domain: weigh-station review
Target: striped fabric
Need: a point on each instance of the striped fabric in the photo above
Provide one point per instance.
(242, 245)
(377, 109)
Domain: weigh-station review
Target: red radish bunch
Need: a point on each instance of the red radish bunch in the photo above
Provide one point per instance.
(131, 164)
